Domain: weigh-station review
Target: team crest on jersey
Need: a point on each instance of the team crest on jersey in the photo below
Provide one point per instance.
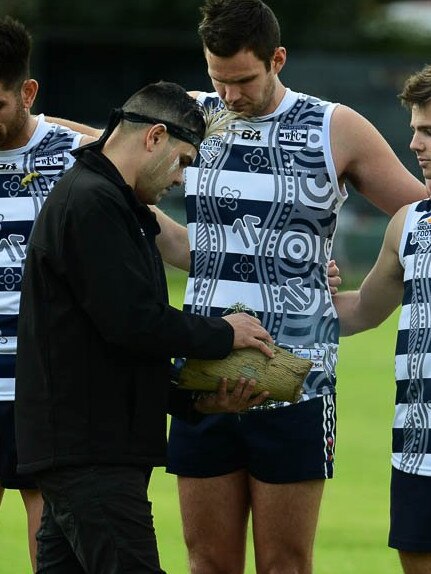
(422, 233)
(292, 137)
(210, 148)
(49, 164)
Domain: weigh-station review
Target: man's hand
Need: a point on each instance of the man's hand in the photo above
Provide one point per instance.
(334, 279)
(238, 400)
(249, 333)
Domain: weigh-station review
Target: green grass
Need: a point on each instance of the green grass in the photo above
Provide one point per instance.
(353, 524)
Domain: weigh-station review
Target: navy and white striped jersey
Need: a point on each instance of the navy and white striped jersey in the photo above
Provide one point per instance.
(26, 176)
(411, 436)
(262, 205)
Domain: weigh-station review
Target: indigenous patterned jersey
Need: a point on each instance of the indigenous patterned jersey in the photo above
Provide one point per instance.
(262, 205)
(26, 176)
(411, 436)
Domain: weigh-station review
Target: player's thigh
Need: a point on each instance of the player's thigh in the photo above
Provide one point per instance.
(286, 514)
(215, 511)
(416, 562)
(285, 518)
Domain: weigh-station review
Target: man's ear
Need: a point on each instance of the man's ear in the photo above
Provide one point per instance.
(29, 90)
(278, 59)
(156, 135)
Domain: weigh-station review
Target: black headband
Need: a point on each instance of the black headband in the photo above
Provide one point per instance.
(117, 114)
(183, 134)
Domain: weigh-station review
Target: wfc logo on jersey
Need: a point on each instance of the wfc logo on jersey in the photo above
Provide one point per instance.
(293, 138)
(49, 164)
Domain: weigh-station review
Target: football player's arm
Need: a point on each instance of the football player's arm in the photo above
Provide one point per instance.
(381, 291)
(364, 158)
(173, 241)
(94, 133)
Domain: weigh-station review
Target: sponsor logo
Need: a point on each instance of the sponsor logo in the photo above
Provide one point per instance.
(210, 148)
(422, 234)
(253, 135)
(8, 166)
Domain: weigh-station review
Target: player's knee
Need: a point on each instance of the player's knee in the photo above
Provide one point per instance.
(212, 562)
(295, 561)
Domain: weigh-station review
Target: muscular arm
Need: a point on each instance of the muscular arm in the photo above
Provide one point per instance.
(381, 291)
(173, 241)
(363, 157)
(94, 133)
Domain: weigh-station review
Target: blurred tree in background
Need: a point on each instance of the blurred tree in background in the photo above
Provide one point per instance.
(329, 25)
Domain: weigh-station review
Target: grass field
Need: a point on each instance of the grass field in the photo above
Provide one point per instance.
(354, 517)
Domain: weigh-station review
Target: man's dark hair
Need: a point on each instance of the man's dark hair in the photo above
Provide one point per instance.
(15, 49)
(417, 89)
(168, 103)
(228, 26)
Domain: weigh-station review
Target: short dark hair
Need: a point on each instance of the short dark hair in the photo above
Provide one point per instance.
(228, 26)
(417, 88)
(15, 49)
(168, 102)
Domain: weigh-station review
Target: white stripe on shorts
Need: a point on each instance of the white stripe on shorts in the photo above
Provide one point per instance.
(328, 416)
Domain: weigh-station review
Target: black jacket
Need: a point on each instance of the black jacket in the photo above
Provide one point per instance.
(96, 332)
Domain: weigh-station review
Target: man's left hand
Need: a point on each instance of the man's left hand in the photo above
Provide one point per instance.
(222, 401)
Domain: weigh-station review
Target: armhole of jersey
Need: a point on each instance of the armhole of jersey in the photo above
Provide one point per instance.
(77, 140)
(327, 152)
(407, 224)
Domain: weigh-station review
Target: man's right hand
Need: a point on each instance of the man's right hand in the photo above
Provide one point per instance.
(248, 332)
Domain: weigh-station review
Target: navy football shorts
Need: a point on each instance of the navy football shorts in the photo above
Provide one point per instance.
(8, 458)
(410, 512)
(282, 445)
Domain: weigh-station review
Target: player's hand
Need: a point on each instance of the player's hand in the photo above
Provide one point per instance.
(240, 399)
(248, 332)
(334, 279)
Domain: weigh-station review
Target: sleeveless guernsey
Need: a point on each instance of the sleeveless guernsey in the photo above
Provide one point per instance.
(411, 438)
(262, 205)
(26, 176)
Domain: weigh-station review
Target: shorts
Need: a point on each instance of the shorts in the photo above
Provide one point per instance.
(281, 445)
(410, 512)
(8, 457)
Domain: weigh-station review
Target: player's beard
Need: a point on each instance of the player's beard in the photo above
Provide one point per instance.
(265, 105)
(11, 133)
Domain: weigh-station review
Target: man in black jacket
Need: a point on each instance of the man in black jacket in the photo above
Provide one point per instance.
(96, 334)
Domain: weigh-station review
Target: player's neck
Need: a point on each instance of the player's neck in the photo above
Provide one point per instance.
(279, 93)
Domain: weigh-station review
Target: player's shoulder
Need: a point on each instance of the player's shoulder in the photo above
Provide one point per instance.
(194, 94)
(397, 223)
